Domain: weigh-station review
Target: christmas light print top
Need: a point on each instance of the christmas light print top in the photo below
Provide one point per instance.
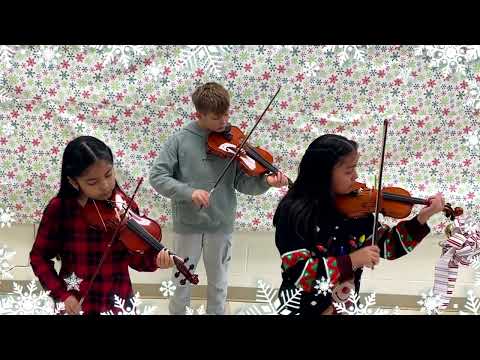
(320, 249)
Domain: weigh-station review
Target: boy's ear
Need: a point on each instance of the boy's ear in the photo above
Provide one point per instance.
(199, 115)
(73, 182)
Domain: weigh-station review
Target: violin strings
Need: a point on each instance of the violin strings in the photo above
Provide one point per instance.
(148, 237)
(403, 198)
(132, 224)
(256, 156)
(98, 212)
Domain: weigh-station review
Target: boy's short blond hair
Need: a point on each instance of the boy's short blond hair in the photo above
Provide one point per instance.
(211, 97)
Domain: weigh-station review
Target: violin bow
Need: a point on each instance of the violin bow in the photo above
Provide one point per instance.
(109, 246)
(222, 174)
(379, 184)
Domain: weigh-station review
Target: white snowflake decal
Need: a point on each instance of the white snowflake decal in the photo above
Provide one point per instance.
(272, 305)
(353, 306)
(6, 217)
(430, 303)
(474, 140)
(470, 226)
(208, 57)
(323, 286)
(60, 309)
(473, 100)
(405, 73)
(476, 266)
(167, 288)
(27, 303)
(4, 265)
(347, 52)
(6, 128)
(155, 71)
(73, 282)
(448, 58)
(132, 309)
(50, 54)
(473, 97)
(472, 304)
(200, 311)
(311, 70)
(3, 99)
(120, 53)
(6, 54)
(281, 47)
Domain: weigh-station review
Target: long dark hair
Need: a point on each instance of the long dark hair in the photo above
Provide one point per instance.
(79, 154)
(311, 196)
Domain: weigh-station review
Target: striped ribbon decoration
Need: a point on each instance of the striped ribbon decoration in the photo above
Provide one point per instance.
(461, 247)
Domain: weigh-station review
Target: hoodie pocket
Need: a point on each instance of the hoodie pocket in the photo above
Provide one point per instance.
(188, 213)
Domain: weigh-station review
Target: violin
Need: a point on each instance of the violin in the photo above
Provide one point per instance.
(232, 143)
(254, 161)
(394, 202)
(138, 233)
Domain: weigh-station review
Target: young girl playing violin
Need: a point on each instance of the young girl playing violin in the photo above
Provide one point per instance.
(87, 173)
(317, 242)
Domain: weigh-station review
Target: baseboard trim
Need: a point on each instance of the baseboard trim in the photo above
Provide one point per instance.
(248, 295)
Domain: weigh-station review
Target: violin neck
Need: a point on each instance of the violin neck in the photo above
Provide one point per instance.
(267, 165)
(257, 157)
(144, 234)
(405, 199)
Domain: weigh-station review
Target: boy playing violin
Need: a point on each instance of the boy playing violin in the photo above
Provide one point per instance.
(185, 172)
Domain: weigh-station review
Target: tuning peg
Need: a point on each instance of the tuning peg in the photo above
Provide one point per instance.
(177, 274)
(183, 281)
(191, 267)
(185, 260)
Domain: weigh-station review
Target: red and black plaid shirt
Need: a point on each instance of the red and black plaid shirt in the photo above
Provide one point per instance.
(63, 231)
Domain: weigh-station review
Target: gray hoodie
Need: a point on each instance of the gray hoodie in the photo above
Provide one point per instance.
(183, 166)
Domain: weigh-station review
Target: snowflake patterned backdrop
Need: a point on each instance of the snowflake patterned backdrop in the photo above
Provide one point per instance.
(134, 97)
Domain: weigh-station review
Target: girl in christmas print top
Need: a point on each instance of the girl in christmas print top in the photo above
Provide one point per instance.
(323, 252)
(87, 172)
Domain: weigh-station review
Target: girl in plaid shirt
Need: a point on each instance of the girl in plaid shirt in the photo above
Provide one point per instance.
(87, 173)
